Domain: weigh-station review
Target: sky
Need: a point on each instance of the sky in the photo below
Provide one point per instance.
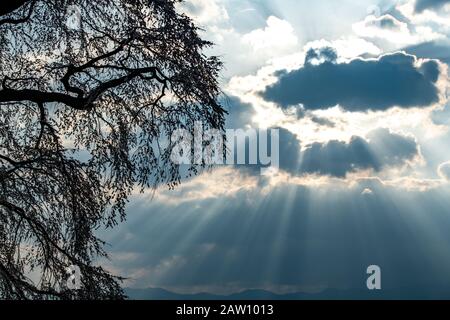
(359, 92)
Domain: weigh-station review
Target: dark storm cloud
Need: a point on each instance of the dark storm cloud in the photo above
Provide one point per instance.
(431, 50)
(381, 149)
(360, 85)
(421, 5)
(290, 152)
(240, 117)
(321, 121)
(328, 54)
(239, 114)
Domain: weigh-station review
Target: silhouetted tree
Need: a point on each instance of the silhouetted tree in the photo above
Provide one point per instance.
(90, 92)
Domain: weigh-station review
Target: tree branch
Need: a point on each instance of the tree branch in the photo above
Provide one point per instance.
(78, 103)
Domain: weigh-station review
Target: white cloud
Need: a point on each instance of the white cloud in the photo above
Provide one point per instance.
(277, 35)
(204, 187)
(444, 171)
(388, 28)
(246, 53)
(438, 20)
(346, 47)
(204, 12)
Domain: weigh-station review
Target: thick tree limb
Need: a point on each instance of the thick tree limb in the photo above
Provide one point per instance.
(10, 95)
(79, 102)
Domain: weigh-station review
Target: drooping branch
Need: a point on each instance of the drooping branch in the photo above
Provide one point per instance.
(72, 70)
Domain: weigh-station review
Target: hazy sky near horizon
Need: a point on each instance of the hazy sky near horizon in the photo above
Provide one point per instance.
(359, 90)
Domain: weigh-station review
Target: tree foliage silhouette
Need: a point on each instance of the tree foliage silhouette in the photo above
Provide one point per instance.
(90, 92)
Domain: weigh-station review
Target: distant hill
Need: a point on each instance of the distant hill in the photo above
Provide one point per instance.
(330, 294)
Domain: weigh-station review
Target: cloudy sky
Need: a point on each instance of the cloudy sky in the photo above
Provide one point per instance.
(358, 90)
